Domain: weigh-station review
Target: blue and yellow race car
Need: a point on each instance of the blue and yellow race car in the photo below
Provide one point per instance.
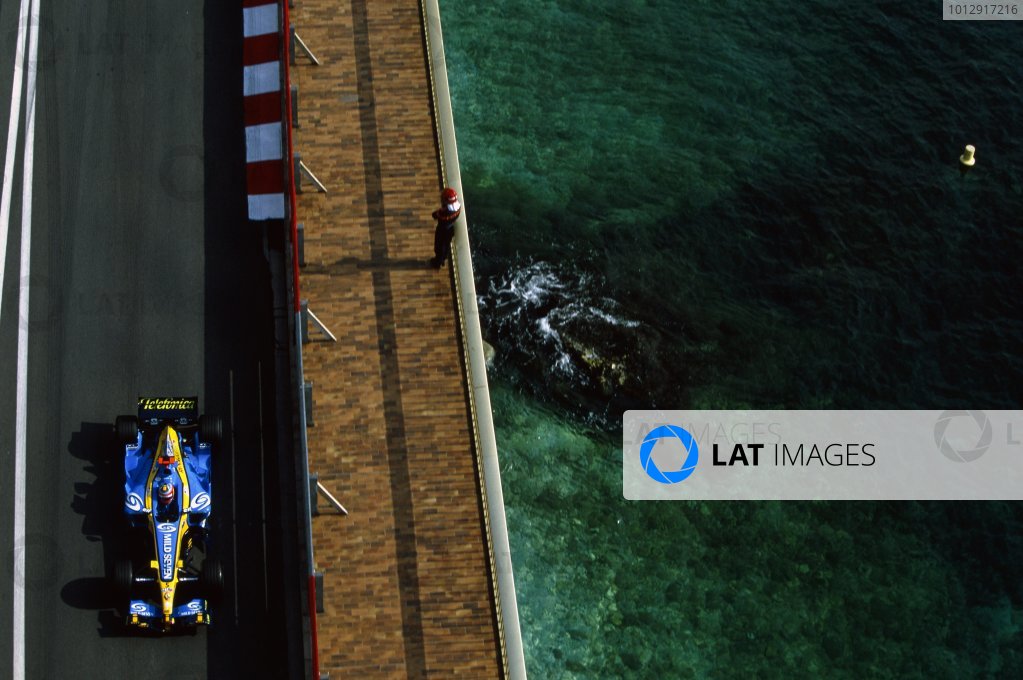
(167, 451)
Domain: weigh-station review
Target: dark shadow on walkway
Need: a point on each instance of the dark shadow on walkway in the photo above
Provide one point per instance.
(394, 416)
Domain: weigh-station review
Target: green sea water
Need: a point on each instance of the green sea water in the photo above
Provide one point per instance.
(725, 204)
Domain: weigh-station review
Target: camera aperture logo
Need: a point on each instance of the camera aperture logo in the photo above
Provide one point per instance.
(688, 464)
(947, 444)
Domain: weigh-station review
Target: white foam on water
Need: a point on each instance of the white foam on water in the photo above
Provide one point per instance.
(535, 303)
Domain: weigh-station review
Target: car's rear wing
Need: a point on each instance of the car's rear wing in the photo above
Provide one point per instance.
(178, 410)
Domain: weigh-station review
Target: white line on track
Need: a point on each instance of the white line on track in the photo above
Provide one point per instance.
(12, 141)
(21, 409)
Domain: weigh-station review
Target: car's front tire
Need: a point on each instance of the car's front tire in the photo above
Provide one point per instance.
(127, 429)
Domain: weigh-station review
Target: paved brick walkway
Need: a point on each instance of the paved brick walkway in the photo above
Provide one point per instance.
(406, 586)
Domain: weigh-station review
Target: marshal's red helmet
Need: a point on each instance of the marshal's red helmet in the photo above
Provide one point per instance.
(165, 493)
(449, 195)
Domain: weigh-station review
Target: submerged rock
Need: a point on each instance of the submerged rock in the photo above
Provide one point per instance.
(583, 345)
(489, 353)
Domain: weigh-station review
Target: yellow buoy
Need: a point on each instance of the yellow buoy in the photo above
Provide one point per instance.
(967, 159)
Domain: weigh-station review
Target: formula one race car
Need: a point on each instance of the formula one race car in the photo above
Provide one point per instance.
(167, 451)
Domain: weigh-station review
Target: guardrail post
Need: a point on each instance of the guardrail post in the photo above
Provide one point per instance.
(295, 40)
(314, 503)
(309, 403)
(301, 244)
(307, 315)
(305, 322)
(330, 497)
(309, 174)
(318, 575)
(299, 169)
(294, 106)
(311, 316)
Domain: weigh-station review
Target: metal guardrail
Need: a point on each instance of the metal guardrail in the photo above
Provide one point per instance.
(291, 169)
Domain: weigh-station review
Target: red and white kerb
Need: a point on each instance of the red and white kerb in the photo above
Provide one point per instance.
(264, 116)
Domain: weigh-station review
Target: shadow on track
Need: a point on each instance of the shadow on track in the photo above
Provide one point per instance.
(99, 503)
(256, 629)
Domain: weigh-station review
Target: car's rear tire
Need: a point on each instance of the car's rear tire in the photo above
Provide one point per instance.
(212, 579)
(124, 577)
(211, 428)
(127, 429)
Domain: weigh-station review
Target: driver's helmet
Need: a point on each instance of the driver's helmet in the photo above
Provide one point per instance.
(166, 494)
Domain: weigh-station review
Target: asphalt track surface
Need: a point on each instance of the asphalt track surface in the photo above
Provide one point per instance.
(146, 279)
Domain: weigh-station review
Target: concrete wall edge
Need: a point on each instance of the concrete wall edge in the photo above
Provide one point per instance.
(476, 362)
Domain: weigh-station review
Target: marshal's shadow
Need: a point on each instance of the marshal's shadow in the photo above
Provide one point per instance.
(99, 503)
